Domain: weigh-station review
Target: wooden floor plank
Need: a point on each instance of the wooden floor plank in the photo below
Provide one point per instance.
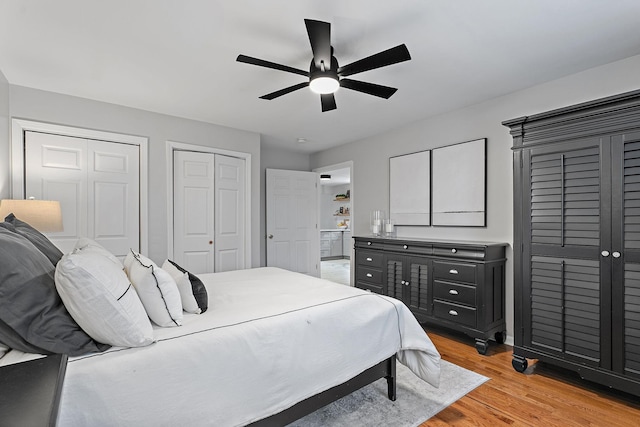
(542, 396)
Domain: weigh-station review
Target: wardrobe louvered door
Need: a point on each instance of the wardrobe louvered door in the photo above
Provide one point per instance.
(562, 251)
(626, 242)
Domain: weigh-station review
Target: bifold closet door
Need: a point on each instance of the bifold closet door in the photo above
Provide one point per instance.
(229, 190)
(209, 211)
(193, 211)
(97, 184)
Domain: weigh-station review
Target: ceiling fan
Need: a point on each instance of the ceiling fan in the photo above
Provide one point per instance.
(325, 75)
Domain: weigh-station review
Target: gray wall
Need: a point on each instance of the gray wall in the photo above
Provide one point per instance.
(32, 104)
(4, 137)
(371, 156)
(273, 157)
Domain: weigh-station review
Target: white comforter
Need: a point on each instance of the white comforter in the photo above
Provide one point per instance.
(269, 339)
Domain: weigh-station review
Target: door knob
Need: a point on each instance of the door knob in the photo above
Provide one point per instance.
(605, 253)
(616, 254)
(211, 242)
(270, 236)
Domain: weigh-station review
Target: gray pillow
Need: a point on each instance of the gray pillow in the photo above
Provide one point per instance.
(32, 315)
(39, 240)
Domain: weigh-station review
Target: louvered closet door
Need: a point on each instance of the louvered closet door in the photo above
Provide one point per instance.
(626, 241)
(562, 251)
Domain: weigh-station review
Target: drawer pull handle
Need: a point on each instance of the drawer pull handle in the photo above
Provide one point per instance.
(369, 259)
(453, 292)
(406, 247)
(368, 243)
(369, 275)
(454, 250)
(453, 312)
(452, 271)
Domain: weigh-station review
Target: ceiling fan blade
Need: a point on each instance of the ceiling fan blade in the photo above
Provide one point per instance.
(328, 102)
(284, 91)
(369, 88)
(268, 64)
(394, 55)
(320, 38)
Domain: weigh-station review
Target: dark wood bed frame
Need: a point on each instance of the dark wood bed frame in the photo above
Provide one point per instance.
(385, 369)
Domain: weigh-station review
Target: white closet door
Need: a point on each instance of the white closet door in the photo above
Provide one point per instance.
(56, 169)
(229, 213)
(193, 214)
(113, 196)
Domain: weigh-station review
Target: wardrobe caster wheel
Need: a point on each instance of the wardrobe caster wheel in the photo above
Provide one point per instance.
(520, 364)
(500, 337)
(482, 346)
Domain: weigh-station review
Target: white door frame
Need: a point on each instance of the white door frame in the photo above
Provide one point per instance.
(353, 195)
(173, 146)
(20, 126)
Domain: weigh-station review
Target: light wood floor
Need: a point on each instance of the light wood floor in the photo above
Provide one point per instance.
(542, 396)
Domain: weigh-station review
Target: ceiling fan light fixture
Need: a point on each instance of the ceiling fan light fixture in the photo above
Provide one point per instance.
(324, 84)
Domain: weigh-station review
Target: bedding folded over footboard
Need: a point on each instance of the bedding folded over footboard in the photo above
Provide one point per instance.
(269, 339)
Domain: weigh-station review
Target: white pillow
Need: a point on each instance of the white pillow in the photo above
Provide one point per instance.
(157, 290)
(87, 245)
(100, 298)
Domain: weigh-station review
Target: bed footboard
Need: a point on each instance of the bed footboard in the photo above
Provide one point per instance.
(385, 369)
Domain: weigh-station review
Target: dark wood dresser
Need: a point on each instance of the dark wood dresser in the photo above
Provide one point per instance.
(458, 285)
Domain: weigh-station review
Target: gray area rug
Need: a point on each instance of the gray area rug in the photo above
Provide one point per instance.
(416, 400)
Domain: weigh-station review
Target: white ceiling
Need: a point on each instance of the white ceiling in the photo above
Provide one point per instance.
(178, 57)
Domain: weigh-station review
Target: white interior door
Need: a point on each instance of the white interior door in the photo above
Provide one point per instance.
(293, 237)
(229, 215)
(193, 214)
(97, 184)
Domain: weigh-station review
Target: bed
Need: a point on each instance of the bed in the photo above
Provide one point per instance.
(270, 340)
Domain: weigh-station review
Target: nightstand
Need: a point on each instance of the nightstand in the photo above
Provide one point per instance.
(31, 391)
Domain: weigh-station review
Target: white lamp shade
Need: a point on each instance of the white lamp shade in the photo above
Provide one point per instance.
(43, 215)
(324, 85)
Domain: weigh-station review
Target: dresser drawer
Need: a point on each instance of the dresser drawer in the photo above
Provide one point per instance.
(369, 287)
(455, 272)
(455, 313)
(369, 244)
(372, 275)
(455, 292)
(369, 259)
(478, 254)
(409, 248)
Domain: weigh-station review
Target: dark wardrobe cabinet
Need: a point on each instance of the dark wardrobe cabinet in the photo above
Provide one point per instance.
(577, 239)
